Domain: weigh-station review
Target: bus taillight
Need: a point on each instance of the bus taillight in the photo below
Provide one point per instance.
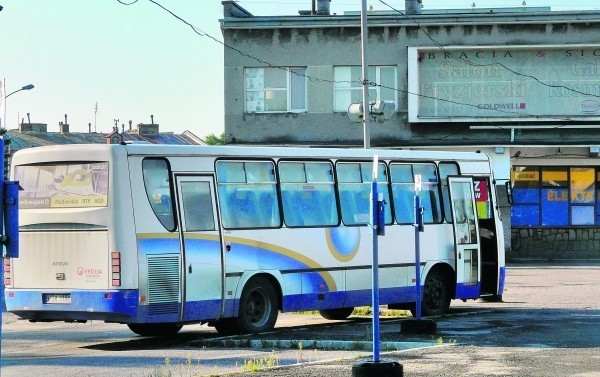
(116, 268)
(7, 280)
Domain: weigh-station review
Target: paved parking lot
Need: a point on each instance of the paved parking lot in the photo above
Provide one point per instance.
(548, 325)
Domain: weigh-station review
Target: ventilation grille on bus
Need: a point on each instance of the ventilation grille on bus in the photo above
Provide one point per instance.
(163, 284)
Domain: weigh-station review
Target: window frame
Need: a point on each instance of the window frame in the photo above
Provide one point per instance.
(288, 89)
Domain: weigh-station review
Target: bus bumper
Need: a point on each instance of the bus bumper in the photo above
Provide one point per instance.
(68, 305)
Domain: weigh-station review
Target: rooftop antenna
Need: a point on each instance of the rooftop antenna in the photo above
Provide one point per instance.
(95, 113)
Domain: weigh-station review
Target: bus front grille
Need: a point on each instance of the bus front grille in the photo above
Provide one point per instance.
(163, 284)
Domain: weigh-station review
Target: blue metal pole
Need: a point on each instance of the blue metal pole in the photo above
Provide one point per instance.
(1, 243)
(418, 222)
(375, 274)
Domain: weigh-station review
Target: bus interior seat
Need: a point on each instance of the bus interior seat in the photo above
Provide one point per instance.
(291, 210)
(243, 207)
(269, 214)
(348, 205)
(310, 207)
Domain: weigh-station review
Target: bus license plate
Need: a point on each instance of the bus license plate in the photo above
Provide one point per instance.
(57, 298)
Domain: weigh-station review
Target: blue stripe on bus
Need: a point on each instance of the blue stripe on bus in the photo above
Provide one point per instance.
(467, 290)
(85, 305)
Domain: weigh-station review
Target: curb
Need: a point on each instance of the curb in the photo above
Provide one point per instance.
(330, 345)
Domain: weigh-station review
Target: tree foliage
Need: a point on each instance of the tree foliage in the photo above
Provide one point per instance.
(213, 139)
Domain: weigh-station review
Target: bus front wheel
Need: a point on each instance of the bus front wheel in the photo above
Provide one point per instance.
(155, 329)
(336, 314)
(258, 306)
(436, 294)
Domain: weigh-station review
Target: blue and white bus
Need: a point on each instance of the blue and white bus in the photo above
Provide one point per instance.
(157, 237)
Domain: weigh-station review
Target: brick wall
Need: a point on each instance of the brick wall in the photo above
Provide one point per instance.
(555, 243)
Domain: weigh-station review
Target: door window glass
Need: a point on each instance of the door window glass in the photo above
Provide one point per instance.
(197, 206)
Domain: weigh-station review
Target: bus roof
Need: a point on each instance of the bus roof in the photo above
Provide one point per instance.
(50, 153)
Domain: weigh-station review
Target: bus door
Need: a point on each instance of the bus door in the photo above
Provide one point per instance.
(488, 234)
(202, 257)
(467, 250)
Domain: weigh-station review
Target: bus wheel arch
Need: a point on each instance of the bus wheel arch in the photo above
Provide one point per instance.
(438, 289)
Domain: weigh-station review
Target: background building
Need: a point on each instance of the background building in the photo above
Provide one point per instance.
(521, 84)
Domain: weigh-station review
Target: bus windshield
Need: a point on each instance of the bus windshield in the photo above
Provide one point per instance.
(68, 185)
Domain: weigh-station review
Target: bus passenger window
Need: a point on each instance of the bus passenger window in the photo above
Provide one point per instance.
(156, 175)
(446, 169)
(354, 186)
(403, 189)
(248, 194)
(308, 194)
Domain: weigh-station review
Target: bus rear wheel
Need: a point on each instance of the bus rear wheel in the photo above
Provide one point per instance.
(336, 314)
(258, 307)
(155, 329)
(435, 295)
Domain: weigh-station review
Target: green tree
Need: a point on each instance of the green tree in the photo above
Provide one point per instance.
(213, 139)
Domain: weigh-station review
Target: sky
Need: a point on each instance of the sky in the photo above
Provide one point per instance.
(100, 60)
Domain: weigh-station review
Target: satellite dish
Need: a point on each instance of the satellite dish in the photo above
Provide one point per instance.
(355, 112)
(385, 109)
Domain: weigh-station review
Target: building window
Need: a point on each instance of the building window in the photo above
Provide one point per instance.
(347, 88)
(583, 187)
(555, 196)
(275, 89)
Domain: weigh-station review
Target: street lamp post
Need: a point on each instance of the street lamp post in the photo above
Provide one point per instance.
(25, 87)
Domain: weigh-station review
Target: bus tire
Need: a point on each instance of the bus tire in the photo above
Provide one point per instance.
(155, 329)
(336, 314)
(436, 294)
(258, 307)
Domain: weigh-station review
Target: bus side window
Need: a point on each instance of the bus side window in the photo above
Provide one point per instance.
(354, 185)
(247, 194)
(403, 178)
(446, 169)
(156, 173)
(430, 195)
(403, 191)
(308, 193)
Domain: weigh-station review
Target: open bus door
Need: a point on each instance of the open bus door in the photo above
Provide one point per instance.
(466, 237)
(202, 257)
